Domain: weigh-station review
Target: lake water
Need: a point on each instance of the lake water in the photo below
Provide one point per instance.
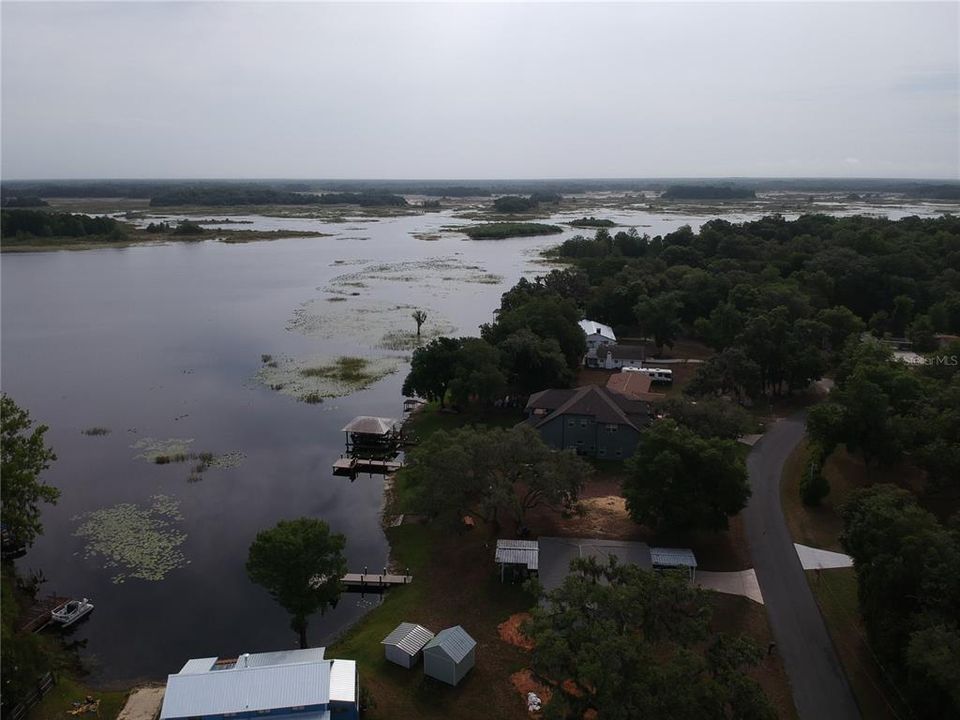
(164, 342)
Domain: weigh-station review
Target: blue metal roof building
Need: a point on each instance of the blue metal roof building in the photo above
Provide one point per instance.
(294, 685)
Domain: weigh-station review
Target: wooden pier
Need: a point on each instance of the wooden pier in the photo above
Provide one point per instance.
(351, 466)
(371, 581)
(38, 616)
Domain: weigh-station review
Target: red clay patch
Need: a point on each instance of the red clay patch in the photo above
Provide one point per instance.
(524, 682)
(510, 632)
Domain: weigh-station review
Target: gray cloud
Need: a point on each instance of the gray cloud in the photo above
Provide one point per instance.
(479, 90)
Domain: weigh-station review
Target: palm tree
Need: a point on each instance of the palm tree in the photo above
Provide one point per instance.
(419, 317)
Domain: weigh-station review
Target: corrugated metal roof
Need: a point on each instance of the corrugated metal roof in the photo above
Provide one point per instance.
(246, 690)
(518, 552)
(197, 665)
(367, 425)
(590, 327)
(409, 637)
(454, 642)
(343, 681)
(672, 557)
(282, 657)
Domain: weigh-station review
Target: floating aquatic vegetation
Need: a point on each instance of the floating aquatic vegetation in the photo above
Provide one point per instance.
(155, 451)
(428, 236)
(483, 278)
(366, 322)
(95, 431)
(135, 541)
(405, 341)
(313, 379)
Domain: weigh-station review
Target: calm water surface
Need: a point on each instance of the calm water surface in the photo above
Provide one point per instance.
(165, 342)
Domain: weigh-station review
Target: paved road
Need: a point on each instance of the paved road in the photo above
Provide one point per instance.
(820, 689)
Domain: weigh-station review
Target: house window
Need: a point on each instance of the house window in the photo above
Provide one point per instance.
(579, 442)
(619, 453)
(612, 427)
(602, 451)
(571, 422)
(583, 423)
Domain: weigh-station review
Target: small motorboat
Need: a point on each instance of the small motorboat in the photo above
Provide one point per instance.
(71, 611)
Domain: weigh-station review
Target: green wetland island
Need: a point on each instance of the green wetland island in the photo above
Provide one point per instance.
(198, 353)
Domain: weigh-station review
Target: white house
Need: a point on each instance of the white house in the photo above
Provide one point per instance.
(597, 334)
(297, 684)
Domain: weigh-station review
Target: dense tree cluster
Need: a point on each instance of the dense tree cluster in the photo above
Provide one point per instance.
(908, 572)
(776, 299)
(23, 457)
(534, 343)
(889, 412)
(485, 471)
(37, 223)
(513, 203)
(680, 480)
(620, 643)
(23, 655)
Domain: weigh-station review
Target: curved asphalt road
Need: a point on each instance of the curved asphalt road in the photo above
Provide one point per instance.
(820, 689)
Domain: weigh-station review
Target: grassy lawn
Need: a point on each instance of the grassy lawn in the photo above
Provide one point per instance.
(836, 590)
(455, 584)
(735, 615)
(836, 593)
(423, 423)
(59, 701)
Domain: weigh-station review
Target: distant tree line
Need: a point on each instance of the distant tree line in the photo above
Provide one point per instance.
(252, 195)
(37, 223)
(149, 188)
(707, 192)
(24, 201)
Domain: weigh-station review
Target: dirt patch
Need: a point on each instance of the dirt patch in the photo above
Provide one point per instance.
(510, 632)
(524, 682)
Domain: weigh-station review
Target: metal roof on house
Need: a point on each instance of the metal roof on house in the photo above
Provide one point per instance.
(282, 657)
(198, 665)
(518, 552)
(672, 557)
(454, 642)
(343, 681)
(556, 554)
(244, 690)
(591, 327)
(591, 400)
(367, 425)
(409, 637)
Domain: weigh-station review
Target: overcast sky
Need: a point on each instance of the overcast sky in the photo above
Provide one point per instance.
(314, 90)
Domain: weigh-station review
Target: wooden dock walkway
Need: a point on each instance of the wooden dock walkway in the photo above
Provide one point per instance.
(351, 466)
(37, 616)
(371, 581)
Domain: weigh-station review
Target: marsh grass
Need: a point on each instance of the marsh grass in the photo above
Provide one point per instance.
(95, 431)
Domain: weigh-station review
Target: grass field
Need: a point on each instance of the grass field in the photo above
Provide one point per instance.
(58, 703)
(836, 590)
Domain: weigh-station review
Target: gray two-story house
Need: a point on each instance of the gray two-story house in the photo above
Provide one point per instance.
(591, 420)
